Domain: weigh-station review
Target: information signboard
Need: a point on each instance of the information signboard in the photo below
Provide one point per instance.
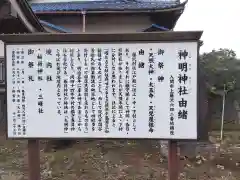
(102, 90)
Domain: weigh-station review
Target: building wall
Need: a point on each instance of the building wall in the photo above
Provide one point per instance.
(102, 23)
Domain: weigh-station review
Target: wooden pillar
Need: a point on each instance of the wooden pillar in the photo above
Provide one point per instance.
(33, 159)
(173, 164)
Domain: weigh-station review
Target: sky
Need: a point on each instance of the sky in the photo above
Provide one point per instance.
(219, 20)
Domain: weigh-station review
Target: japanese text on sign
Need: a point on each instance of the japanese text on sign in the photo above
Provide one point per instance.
(144, 90)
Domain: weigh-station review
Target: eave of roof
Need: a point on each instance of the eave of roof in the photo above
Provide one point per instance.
(54, 27)
(155, 27)
(102, 37)
(27, 16)
(123, 6)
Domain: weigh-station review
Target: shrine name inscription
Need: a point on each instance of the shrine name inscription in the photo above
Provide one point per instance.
(127, 90)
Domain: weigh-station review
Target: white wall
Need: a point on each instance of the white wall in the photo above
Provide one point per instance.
(103, 24)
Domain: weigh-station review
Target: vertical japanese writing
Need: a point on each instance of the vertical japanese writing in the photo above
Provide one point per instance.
(100, 98)
(39, 65)
(134, 89)
(13, 69)
(58, 81)
(99, 90)
(49, 77)
(120, 90)
(14, 123)
(40, 101)
(30, 64)
(182, 79)
(127, 92)
(106, 82)
(79, 90)
(114, 87)
(19, 125)
(93, 89)
(72, 90)
(171, 95)
(86, 94)
(24, 112)
(161, 65)
(18, 82)
(14, 90)
(151, 108)
(18, 79)
(22, 95)
(65, 92)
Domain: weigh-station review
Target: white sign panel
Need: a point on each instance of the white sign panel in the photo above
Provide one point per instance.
(129, 90)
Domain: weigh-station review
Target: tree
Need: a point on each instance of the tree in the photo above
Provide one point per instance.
(221, 68)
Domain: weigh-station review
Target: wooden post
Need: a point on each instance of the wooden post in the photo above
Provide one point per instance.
(33, 160)
(173, 166)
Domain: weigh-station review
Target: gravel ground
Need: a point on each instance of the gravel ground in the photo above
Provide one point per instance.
(129, 160)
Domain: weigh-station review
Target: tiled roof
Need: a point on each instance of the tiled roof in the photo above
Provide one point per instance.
(106, 5)
(155, 27)
(58, 28)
